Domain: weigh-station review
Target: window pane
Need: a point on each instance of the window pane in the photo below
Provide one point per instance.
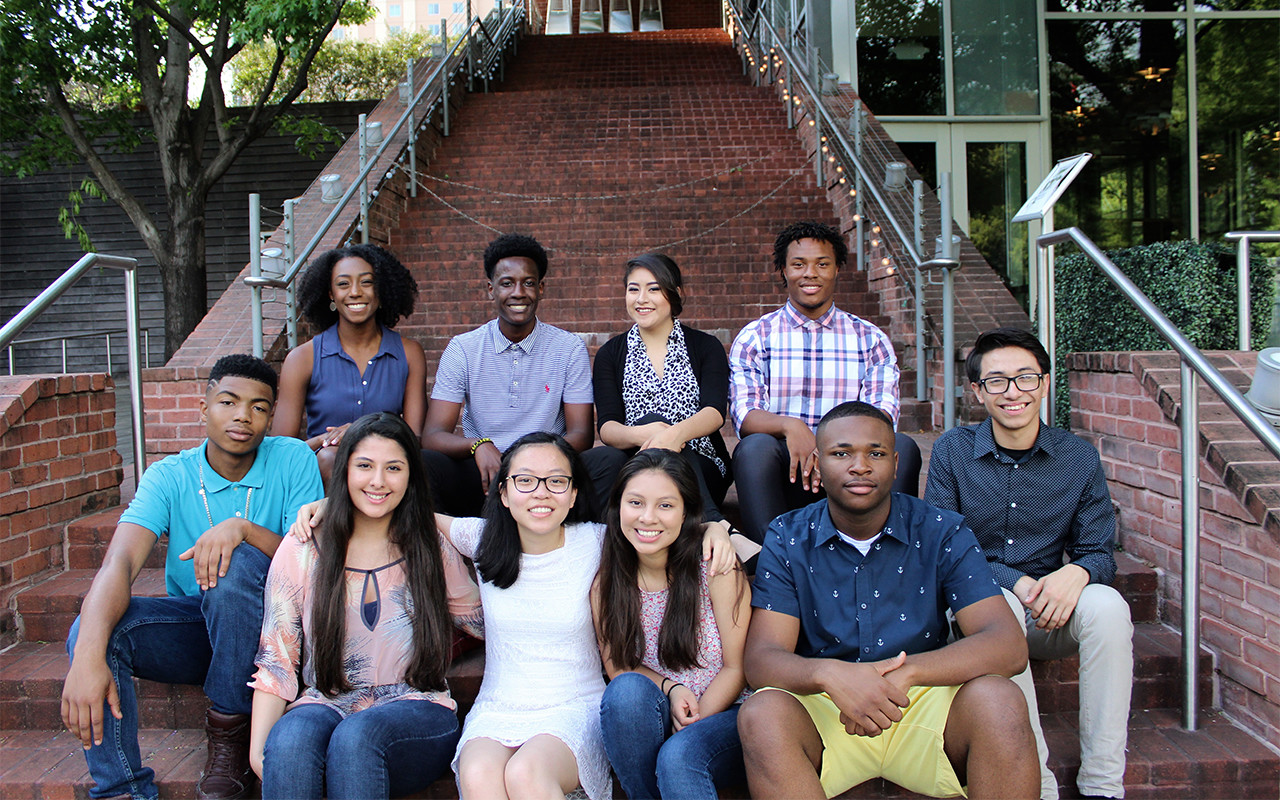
(900, 57)
(994, 56)
(1239, 113)
(1118, 90)
(997, 185)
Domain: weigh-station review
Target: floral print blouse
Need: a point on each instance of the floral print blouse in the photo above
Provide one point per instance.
(379, 641)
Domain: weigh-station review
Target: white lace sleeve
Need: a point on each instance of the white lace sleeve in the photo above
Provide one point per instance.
(465, 535)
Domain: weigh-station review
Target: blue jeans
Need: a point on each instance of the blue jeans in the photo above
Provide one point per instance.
(650, 761)
(390, 750)
(210, 639)
(760, 464)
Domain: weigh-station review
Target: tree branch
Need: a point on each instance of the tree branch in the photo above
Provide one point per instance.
(111, 185)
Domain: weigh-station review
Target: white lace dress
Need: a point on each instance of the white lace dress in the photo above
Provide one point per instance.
(542, 671)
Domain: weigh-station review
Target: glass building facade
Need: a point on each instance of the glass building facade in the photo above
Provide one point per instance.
(1178, 102)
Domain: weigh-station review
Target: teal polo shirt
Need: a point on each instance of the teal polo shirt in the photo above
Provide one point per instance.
(284, 477)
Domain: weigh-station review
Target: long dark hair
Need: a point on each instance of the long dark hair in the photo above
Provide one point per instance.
(621, 631)
(498, 557)
(413, 532)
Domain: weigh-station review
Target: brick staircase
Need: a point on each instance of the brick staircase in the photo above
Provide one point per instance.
(613, 146)
(621, 145)
(39, 760)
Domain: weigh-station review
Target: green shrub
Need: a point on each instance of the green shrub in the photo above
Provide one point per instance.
(1194, 284)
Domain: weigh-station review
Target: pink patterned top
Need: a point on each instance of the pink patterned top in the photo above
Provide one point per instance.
(379, 640)
(653, 609)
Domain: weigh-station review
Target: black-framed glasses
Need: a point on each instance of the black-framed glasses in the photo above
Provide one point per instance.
(556, 484)
(1027, 382)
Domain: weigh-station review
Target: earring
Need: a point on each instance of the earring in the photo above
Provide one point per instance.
(333, 306)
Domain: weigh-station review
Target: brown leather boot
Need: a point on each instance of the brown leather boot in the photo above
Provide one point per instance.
(227, 775)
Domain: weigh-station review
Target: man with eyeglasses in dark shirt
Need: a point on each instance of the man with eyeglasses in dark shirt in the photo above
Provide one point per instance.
(1034, 494)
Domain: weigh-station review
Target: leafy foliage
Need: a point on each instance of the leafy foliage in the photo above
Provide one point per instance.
(73, 73)
(343, 70)
(1194, 285)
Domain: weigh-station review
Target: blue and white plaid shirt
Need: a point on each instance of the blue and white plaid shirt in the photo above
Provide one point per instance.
(788, 364)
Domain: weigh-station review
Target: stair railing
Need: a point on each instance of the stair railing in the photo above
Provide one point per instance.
(1193, 364)
(133, 326)
(1245, 239)
(457, 57)
(835, 156)
(64, 338)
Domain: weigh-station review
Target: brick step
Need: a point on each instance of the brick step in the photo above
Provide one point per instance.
(1219, 760)
(31, 676)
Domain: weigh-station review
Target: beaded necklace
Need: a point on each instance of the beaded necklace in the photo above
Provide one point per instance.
(204, 497)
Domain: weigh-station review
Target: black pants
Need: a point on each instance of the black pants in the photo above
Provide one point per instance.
(456, 487)
(760, 464)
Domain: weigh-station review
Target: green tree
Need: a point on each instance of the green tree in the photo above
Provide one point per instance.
(74, 72)
(344, 70)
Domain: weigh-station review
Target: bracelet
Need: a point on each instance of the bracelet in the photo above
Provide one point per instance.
(674, 684)
(664, 685)
(476, 444)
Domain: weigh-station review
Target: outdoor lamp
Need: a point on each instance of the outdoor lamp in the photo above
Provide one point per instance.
(895, 176)
(330, 188)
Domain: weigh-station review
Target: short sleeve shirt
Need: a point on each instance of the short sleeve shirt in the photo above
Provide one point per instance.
(283, 478)
(510, 388)
(865, 608)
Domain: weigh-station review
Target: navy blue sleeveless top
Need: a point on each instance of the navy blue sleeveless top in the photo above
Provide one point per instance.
(337, 394)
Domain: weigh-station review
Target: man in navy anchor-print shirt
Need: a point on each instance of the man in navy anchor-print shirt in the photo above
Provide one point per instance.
(851, 598)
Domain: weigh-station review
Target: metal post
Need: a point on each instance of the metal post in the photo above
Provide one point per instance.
(64, 355)
(413, 139)
(444, 73)
(255, 265)
(291, 293)
(818, 155)
(921, 364)
(108, 353)
(857, 181)
(917, 207)
(10, 350)
(146, 348)
(1045, 315)
(948, 303)
(364, 183)
(1190, 548)
(791, 114)
(1242, 290)
(133, 321)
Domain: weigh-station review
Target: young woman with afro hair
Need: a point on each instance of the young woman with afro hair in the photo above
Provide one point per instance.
(357, 364)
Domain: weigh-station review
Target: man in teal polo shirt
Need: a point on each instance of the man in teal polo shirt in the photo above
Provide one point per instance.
(224, 506)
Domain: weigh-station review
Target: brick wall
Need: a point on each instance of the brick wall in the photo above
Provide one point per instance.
(57, 462)
(1126, 404)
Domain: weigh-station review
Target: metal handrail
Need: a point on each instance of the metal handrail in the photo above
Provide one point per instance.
(448, 65)
(830, 130)
(831, 127)
(133, 323)
(1245, 238)
(66, 337)
(1193, 364)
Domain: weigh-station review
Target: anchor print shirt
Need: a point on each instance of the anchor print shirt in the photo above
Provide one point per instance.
(379, 633)
(865, 608)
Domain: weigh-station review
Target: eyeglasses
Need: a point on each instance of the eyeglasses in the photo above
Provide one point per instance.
(556, 484)
(1027, 382)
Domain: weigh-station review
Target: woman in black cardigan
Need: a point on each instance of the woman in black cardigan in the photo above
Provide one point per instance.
(663, 384)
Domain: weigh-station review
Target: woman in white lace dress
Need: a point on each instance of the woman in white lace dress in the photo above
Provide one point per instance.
(536, 722)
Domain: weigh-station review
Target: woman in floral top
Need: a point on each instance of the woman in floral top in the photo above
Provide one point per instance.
(357, 632)
(672, 634)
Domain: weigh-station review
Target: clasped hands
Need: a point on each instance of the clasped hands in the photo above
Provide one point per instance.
(870, 695)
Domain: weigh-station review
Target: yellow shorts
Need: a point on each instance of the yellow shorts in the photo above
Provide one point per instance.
(910, 753)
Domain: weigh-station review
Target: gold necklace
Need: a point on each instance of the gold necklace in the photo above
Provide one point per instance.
(203, 496)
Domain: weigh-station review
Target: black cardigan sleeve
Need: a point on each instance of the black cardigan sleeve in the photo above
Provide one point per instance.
(606, 381)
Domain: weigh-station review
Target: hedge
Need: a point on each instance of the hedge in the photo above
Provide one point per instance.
(1193, 283)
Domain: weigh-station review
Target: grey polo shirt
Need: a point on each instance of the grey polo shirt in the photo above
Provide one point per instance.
(510, 388)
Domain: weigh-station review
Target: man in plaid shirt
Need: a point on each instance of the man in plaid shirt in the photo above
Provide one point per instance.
(791, 366)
